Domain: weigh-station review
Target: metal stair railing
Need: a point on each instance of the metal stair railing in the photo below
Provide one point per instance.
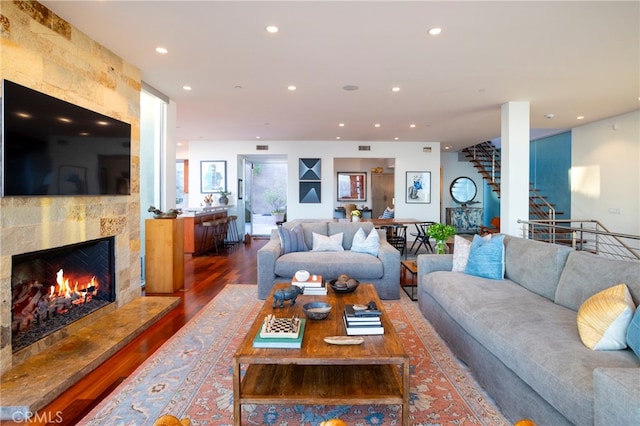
(586, 235)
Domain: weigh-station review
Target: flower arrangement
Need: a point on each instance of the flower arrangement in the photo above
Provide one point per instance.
(441, 233)
(208, 199)
(356, 212)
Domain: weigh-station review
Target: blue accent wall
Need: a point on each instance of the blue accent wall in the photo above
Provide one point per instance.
(550, 162)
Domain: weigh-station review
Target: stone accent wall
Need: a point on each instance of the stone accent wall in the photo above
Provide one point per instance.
(42, 51)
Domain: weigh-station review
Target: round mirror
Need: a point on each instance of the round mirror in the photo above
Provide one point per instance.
(463, 190)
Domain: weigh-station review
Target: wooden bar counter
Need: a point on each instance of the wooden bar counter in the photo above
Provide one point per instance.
(193, 229)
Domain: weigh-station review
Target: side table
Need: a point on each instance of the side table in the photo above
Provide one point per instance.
(412, 267)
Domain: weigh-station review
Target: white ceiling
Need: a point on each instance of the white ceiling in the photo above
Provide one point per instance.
(575, 58)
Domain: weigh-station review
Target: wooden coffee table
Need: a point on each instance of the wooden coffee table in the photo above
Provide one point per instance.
(375, 372)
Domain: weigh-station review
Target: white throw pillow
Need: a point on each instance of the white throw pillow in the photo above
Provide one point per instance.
(324, 243)
(366, 244)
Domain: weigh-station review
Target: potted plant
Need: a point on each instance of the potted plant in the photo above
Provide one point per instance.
(224, 197)
(441, 233)
(356, 215)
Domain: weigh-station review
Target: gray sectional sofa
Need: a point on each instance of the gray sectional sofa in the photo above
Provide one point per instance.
(519, 335)
(383, 271)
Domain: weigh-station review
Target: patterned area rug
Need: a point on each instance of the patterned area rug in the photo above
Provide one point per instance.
(190, 376)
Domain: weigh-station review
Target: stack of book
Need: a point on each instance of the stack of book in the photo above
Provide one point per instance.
(359, 321)
(313, 286)
(280, 333)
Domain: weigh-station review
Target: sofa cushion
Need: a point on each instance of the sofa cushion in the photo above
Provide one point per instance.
(603, 319)
(486, 257)
(327, 243)
(363, 243)
(330, 264)
(535, 265)
(633, 333)
(349, 230)
(585, 274)
(461, 249)
(535, 338)
(291, 240)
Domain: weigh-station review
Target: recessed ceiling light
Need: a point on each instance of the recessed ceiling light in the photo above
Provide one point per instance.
(338, 138)
(435, 31)
(377, 125)
(64, 119)
(341, 124)
(580, 117)
(23, 115)
(162, 50)
(549, 116)
(292, 88)
(103, 123)
(257, 137)
(187, 88)
(350, 87)
(272, 29)
(396, 138)
(412, 126)
(395, 89)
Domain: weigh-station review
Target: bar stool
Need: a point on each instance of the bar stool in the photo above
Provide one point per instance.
(219, 233)
(207, 237)
(233, 235)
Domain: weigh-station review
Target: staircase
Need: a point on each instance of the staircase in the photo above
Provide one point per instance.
(485, 157)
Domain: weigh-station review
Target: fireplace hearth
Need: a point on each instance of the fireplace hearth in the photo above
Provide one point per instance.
(56, 287)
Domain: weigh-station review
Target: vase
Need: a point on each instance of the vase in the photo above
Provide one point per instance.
(207, 204)
(355, 218)
(440, 246)
(223, 200)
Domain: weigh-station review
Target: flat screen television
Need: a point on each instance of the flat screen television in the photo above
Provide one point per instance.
(51, 147)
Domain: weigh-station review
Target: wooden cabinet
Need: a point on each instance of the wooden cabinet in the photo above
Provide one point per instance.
(164, 256)
(466, 220)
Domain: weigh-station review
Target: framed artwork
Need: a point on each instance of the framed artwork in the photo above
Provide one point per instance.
(309, 192)
(352, 186)
(310, 169)
(213, 176)
(240, 189)
(418, 188)
(72, 180)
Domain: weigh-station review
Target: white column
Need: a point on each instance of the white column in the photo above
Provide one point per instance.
(514, 179)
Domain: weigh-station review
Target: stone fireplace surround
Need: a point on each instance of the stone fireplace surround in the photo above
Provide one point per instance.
(40, 50)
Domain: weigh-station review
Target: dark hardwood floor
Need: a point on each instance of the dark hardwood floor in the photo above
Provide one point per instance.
(205, 276)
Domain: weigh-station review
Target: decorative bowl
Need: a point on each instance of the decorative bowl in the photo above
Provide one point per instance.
(349, 287)
(302, 275)
(316, 310)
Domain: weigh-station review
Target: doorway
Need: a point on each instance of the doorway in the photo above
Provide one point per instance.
(382, 191)
(265, 193)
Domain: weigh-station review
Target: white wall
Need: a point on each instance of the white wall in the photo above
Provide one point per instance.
(452, 168)
(605, 172)
(408, 155)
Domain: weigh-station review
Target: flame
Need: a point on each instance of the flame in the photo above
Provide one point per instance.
(79, 293)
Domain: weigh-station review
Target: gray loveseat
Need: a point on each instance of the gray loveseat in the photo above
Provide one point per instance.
(519, 335)
(383, 271)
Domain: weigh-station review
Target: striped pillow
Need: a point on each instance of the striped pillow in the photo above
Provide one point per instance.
(292, 240)
(603, 319)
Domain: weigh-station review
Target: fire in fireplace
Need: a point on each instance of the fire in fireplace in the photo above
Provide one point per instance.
(53, 288)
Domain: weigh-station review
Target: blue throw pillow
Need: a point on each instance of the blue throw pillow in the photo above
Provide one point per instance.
(486, 258)
(633, 333)
(291, 240)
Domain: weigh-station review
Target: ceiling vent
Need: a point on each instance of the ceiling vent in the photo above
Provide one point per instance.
(364, 148)
(262, 147)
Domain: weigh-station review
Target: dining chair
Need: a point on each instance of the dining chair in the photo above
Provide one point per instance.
(421, 236)
(398, 238)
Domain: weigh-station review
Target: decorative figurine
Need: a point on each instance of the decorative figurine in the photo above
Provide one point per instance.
(288, 293)
(158, 214)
